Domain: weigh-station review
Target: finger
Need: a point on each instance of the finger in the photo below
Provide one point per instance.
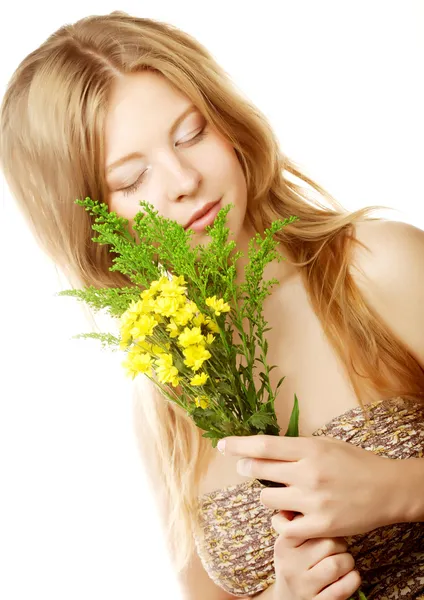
(279, 521)
(344, 588)
(287, 498)
(272, 470)
(275, 447)
(282, 544)
(330, 569)
(318, 549)
(305, 527)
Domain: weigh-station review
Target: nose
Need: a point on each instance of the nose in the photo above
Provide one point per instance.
(182, 178)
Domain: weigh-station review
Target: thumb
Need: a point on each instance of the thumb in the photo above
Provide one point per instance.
(279, 523)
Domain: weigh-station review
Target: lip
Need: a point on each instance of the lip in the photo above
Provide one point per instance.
(204, 216)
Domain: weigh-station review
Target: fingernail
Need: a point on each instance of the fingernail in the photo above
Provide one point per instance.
(221, 446)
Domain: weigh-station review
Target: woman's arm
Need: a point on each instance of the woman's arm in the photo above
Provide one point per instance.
(390, 280)
(196, 584)
(408, 478)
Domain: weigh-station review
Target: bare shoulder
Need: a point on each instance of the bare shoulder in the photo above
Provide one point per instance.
(389, 272)
(392, 246)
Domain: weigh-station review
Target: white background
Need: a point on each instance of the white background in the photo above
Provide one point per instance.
(341, 83)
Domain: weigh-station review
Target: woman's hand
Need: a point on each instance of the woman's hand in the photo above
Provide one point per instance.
(339, 489)
(318, 569)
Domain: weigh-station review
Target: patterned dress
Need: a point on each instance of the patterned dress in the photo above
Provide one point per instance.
(236, 539)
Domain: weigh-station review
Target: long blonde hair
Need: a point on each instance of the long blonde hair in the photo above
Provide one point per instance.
(52, 152)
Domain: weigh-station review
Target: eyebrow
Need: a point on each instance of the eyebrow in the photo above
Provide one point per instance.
(135, 155)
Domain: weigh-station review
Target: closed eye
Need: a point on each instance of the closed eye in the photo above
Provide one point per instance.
(134, 186)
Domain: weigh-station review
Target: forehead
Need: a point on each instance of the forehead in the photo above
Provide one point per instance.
(142, 107)
(146, 95)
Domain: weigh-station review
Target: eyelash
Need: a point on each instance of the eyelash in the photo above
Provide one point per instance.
(134, 187)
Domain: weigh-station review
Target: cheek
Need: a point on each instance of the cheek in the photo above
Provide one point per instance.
(117, 205)
(219, 159)
(240, 188)
(125, 207)
(226, 168)
(237, 178)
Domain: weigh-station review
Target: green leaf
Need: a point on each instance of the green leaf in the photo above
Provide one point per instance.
(358, 596)
(225, 389)
(107, 339)
(227, 428)
(213, 437)
(251, 394)
(114, 300)
(279, 383)
(262, 419)
(205, 419)
(293, 428)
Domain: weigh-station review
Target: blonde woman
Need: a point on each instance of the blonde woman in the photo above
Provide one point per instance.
(122, 109)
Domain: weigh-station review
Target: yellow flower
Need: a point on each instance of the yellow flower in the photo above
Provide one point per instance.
(165, 370)
(210, 338)
(142, 362)
(219, 306)
(135, 324)
(201, 402)
(182, 317)
(191, 307)
(154, 287)
(137, 363)
(147, 305)
(178, 280)
(125, 340)
(211, 325)
(166, 306)
(144, 325)
(165, 360)
(142, 346)
(146, 295)
(159, 290)
(199, 320)
(129, 370)
(158, 350)
(173, 288)
(173, 329)
(130, 315)
(175, 381)
(135, 350)
(199, 379)
(196, 356)
(189, 337)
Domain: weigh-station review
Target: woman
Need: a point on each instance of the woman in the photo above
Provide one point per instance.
(122, 109)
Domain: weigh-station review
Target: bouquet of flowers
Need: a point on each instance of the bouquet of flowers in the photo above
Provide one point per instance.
(186, 324)
(179, 321)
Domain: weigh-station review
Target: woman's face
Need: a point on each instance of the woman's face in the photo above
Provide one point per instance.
(180, 165)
